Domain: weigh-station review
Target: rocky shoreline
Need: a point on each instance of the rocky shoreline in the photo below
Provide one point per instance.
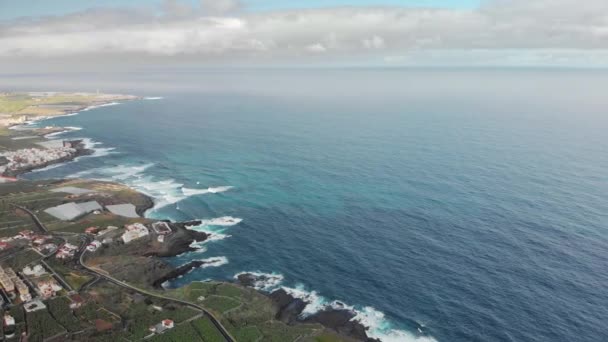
(145, 264)
(178, 272)
(179, 242)
(290, 311)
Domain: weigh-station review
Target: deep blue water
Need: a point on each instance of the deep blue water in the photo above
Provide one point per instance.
(475, 210)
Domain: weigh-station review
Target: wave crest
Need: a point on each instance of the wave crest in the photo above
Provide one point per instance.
(211, 190)
(375, 321)
(262, 281)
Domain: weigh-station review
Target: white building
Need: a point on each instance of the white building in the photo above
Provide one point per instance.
(134, 231)
(35, 271)
(107, 230)
(92, 247)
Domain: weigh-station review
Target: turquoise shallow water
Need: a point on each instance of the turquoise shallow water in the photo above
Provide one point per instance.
(462, 207)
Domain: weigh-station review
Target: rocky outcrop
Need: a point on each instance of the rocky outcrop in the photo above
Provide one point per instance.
(289, 310)
(177, 272)
(179, 241)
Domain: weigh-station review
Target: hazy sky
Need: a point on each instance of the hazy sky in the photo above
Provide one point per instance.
(41, 34)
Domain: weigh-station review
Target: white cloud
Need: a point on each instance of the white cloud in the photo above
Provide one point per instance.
(374, 42)
(316, 48)
(220, 28)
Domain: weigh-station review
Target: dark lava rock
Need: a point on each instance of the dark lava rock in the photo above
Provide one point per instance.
(178, 272)
(246, 279)
(339, 320)
(289, 308)
(179, 241)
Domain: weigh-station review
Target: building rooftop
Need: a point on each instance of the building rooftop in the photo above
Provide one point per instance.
(125, 210)
(71, 211)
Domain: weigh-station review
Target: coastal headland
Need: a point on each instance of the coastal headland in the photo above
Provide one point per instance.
(80, 261)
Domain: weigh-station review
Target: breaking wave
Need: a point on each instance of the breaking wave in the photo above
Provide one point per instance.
(153, 98)
(66, 129)
(225, 221)
(97, 151)
(210, 227)
(163, 191)
(97, 106)
(212, 190)
(264, 281)
(214, 262)
(375, 321)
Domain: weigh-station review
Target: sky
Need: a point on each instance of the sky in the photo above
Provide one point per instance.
(19, 8)
(473, 33)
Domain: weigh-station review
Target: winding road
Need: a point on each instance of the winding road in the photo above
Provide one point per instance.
(83, 251)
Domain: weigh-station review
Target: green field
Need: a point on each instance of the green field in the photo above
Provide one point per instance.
(60, 310)
(25, 104)
(41, 325)
(36, 196)
(247, 314)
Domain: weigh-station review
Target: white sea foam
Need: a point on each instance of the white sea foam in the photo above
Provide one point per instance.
(59, 116)
(97, 106)
(214, 262)
(163, 191)
(375, 321)
(210, 226)
(66, 129)
(199, 245)
(153, 98)
(379, 327)
(225, 221)
(49, 167)
(97, 151)
(212, 190)
(264, 281)
(314, 302)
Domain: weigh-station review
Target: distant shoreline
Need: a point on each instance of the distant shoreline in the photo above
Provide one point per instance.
(289, 307)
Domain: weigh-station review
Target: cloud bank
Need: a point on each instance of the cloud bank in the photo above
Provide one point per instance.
(503, 31)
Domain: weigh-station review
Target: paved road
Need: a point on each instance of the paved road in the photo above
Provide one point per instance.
(33, 216)
(82, 251)
(214, 320)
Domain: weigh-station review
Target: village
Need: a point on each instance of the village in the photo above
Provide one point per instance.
(15, 162)
(43, 272)
(36, 283)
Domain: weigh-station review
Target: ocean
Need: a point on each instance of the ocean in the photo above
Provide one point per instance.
(442, 205)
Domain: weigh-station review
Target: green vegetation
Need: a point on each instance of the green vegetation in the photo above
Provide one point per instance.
(248, 334)
(60, 309)
(253, 320)
(21, 259)
(328, 337)
(41, 325)
(220, 304)
(102, 220)
(180, 333)
(92, 311)
(206, 329)
(36, 196)
(26, 104)
(141, 316)
(18, 313)
(76, 280)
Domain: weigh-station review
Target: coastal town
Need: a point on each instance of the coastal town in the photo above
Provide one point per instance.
(79, 261)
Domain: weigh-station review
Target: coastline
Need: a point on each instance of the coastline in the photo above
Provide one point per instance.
(290, 308)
